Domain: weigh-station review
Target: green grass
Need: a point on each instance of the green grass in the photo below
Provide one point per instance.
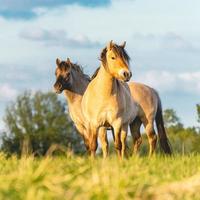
(80, 178)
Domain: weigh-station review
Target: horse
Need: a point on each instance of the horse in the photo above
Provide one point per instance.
(149, 111)
(71, 80)
(107, 101)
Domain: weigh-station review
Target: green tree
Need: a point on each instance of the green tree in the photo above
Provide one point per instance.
(172, 120)
(37, 121)
(183, 140)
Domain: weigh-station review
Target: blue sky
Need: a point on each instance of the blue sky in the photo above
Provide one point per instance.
(25, 8)
(163, 41)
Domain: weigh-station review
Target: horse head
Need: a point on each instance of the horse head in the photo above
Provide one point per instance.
(63, 71)
(116, 61)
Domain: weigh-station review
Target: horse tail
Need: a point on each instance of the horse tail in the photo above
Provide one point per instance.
(164, 142)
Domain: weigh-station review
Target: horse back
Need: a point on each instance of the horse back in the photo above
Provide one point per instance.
(146, 97)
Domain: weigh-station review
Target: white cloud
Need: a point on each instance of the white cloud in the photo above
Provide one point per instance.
(158, 79)
(7, 92)
(190, 76)
(168, 41)
(165, 81)
(58, 38)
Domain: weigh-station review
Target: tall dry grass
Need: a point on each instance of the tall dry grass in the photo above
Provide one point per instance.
(73, 177)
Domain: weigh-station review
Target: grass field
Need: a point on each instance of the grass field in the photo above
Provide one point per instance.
(75, 177)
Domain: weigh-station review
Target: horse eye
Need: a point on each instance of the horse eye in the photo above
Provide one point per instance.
(113, 58)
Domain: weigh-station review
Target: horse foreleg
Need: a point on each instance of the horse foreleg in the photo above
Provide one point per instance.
(83, 132)
(104, 141)
(117, 142)
(123, 139)
(93, 141)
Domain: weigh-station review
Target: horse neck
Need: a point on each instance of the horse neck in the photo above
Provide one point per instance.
(77, 87)
(106, 82)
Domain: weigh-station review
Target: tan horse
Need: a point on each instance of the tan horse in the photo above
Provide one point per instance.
(107, 100)
(71, 79)
(149, 110)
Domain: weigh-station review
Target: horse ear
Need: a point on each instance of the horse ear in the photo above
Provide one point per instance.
(110, 45)
(123, 44)
(68, 61)
(58, 61)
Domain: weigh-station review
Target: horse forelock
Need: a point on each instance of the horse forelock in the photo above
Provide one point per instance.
(63, 65)
(118, 50)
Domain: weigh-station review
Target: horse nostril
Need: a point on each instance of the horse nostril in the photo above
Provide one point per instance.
(125, 74)
(130, 74)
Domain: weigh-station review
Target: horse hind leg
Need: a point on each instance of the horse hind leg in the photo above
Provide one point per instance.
(152, 138)
(135, 132)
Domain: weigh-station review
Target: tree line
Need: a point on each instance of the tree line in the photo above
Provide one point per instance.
(38, 123)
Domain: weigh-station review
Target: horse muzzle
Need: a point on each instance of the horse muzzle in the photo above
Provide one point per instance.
(58, 88)
(125, 75)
